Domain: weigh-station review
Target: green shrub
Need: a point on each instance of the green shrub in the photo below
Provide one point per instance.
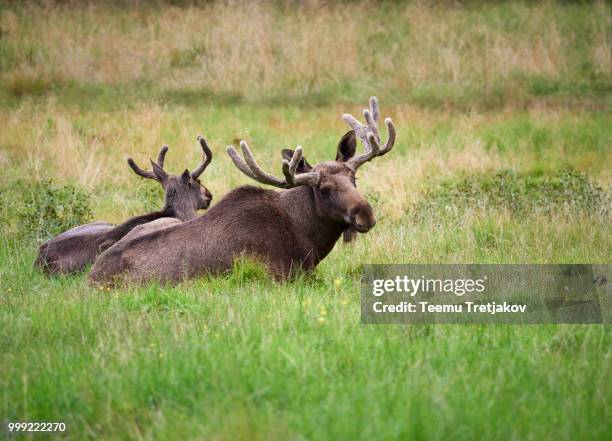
(20, 86)
(152, 196)
(49, 210)
(567, 192)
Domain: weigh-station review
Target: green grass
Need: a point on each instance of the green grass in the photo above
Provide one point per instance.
(492, 165)
(244, 358)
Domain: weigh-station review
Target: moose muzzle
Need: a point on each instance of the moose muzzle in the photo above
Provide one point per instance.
(362, 218)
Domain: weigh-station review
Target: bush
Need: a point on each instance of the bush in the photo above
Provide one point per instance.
(567, 192)
(152, 197)
(50, 210)
(20, 86)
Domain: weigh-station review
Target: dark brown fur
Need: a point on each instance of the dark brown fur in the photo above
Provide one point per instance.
(288, 230)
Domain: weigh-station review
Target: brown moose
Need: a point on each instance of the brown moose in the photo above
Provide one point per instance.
(288, 230)
(72, 250)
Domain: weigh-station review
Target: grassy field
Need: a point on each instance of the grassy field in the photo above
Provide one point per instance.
(503, 156)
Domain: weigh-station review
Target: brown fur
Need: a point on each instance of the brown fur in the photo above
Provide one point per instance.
(288, 230)
(73, 250)
(149, 227)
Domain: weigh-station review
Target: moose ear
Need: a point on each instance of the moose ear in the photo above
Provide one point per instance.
(303, 165)
(346, 147)
(159, 172)
(186, 176)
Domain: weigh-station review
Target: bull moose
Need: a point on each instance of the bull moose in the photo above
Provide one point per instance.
(288, 230)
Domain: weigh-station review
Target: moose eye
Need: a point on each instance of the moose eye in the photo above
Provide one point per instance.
(325, 191)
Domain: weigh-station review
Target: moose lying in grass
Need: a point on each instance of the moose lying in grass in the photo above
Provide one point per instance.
(292, 229)
(72, 250)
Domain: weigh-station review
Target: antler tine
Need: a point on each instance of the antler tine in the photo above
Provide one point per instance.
(262, 176)
(148, 173)
(371, 117)
(371, 125)
(162, 155)
(391, 139)
(368, 134)
(206, 158)
(374, 108)
(249, 167)
(239, 162)
(360, 130)
(289, 167)
(140, 172)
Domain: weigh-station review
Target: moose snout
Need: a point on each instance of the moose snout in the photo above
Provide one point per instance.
(206, 200)
(364, 226)
(362, 218)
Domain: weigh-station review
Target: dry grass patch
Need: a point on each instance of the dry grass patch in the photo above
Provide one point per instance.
(259, 49)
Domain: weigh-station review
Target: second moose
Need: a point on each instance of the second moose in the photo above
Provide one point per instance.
(72, 250)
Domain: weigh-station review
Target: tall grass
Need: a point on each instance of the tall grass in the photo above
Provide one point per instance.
(431, 54)
(89, 147)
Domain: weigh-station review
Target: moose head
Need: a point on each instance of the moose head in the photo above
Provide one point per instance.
(184, 194)
(336, 197)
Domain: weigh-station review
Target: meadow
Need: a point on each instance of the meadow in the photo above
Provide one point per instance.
(503, 156)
